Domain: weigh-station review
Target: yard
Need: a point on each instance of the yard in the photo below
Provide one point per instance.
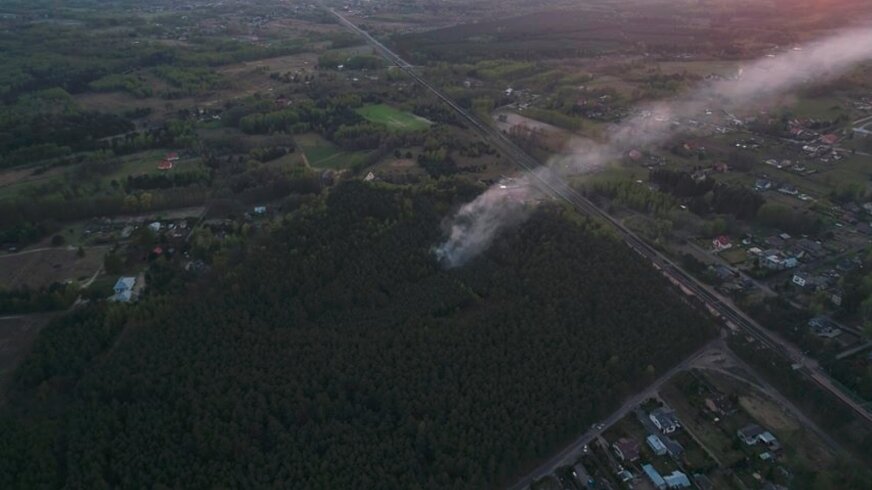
(720, 444)
(42, 267)
(393, 118)
(321, 153)
(735, 256)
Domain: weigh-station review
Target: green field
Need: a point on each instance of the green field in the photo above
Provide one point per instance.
(323, 154)
(393, 118)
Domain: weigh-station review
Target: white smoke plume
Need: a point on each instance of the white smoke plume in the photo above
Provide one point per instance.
(477, 223)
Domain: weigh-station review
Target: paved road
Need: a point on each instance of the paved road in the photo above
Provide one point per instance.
(36, 250)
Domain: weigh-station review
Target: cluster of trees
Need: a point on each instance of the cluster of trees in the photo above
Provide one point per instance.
(634, 196)
(47, 126)
(30, 214)
(438, 112)
(265, 154)
(66, 346)
(554, 118)
(272, 122)
(326, 117)
(857, 294)
(741, 202)
(437, 162)
(704, 196)
(362, 136)
(855, 373)
(165, 180)
(22, 232)
(189, 80)
(261, 183)
(133, 84)
(28, 300)
(680, 184)
(786, 218)
(338, 353)
(176, 133)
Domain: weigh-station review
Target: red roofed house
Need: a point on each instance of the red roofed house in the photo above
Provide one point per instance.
(830, 139)
(722, 243)
(165, 165)
(721, 167)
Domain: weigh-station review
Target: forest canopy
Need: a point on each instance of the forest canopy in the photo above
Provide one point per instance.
(337, 353)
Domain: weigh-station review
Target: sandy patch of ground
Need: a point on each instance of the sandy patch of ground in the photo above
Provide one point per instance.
(768, 414)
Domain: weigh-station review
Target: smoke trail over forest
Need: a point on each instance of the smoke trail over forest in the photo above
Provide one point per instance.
(477, 223)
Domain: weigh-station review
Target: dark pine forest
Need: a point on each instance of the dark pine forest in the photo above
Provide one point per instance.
(334, 352)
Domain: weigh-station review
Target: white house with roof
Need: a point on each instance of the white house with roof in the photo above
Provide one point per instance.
(801, 279)
(656, 445)
(753, 434)
(123, 289)
(677, 479)
(777, 261)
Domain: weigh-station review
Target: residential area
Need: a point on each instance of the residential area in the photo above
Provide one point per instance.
(712, 426)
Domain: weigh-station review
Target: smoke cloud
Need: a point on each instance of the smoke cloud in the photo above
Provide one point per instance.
(476, 224)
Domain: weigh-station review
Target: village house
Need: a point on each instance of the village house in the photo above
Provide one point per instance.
(777, 261)
(829, 139)
(656, 445)
(802, 280)
(762, 185)
(824, 327)
(721, 243)
(665, 420)
(652, 474)
(753, 434)
(676, 479)
(626, 449)
(123, 289)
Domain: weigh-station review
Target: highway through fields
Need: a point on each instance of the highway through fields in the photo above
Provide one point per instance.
(715, 303)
